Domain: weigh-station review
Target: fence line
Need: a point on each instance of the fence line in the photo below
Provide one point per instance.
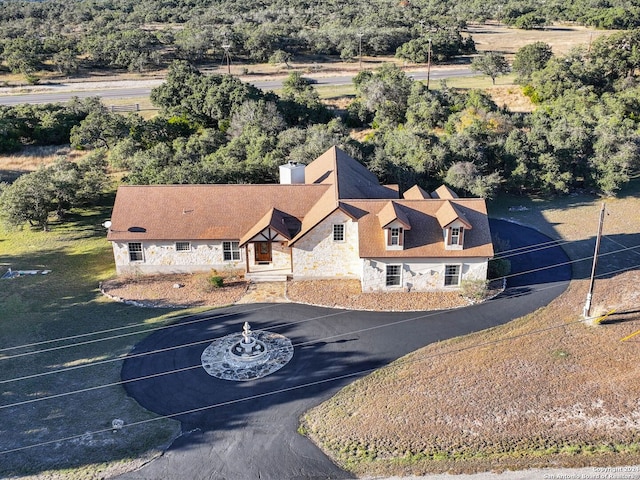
(125, 108)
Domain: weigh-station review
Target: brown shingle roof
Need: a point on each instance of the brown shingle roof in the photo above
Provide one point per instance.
(391, 212)
(276, 220)
(234, 212)
(444, 192)
(425, 238)
(203, 212)
(449, 213)
(350, 178)
(416, 193)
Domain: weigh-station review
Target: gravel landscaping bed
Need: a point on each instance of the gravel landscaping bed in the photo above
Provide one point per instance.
(180, 290)
(348, 294)
(192, 290)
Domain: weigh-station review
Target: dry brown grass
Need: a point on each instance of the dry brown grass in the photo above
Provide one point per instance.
(510, 96)
(544, 390)
(29, 159)
(562, 38)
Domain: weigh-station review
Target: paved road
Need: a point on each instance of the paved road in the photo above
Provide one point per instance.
(247, 430)
(129, 89)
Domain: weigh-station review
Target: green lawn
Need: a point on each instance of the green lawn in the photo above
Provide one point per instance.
(36, 309)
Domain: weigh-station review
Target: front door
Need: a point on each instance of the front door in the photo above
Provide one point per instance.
(263, 252)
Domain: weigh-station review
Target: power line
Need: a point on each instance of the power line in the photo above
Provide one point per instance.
(514, 252)
(297, 387)
(136, 355)
(547, 267)
(149, 330)
(310, 342)
(170, 372)
(228, 314)
(80, 335)
(503, 254)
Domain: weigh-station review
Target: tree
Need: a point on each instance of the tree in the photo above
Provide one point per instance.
(23, 55)
(385, 93)
(204, 100)
(444, 44)
(100, 129)
(530, 21)
(406, 156)
(63, 185)
(531, 58)
(28, 199)
(300, 104)
(465, 176)
(618, 55)
(192, 43)
(616, 154)
(260, 114)
(66, 61)
(491, 64)
(280, 56)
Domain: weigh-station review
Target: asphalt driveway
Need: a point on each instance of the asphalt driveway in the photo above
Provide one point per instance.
(247, 430)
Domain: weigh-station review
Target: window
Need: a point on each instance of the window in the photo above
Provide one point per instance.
(456, 236)
(394, 236)
(393, 275)
(338, 232)
(451, 275)
(135, 252)
(183, 246)
(231, 251)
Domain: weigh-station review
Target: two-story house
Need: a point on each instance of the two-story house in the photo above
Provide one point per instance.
(328, 219)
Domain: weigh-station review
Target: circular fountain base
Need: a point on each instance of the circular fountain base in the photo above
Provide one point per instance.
(232, 358)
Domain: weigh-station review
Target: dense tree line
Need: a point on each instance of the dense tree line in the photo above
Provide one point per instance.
(142, 35)
(49, 124)
(583, 135)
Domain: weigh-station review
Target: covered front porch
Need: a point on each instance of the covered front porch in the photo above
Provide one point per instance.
(268, 256)
(267, 261)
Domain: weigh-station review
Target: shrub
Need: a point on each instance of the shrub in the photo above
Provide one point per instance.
(474, 290)
(498, 268)
(216, 281)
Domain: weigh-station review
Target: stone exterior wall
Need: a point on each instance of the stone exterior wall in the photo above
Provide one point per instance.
(316, 255)
(162, 257)
(418, 274)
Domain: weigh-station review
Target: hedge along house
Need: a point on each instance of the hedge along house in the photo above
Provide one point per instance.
(328, 219)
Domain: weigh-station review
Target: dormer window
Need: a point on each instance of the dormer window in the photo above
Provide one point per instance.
(395, 235)
(395, 238)
(456, 236)
(454, 223)
(394, 222)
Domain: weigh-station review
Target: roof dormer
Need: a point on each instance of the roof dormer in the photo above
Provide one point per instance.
(394, 222)
(454, 225)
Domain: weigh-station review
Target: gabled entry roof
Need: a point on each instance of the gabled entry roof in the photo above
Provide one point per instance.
(276, 225)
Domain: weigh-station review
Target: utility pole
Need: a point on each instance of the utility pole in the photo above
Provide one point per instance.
(360, 48)
(227, 56)
(587, 306)
(422, 30)
(428, 63)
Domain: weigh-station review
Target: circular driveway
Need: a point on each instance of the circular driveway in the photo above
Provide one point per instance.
(247, 430)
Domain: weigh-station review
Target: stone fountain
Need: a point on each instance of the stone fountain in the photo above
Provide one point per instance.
(248, 355)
